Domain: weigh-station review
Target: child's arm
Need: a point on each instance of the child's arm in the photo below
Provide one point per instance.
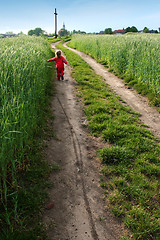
(64, 61)
(51, 59)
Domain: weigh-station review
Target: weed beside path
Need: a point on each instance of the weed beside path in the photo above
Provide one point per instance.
(131, 166)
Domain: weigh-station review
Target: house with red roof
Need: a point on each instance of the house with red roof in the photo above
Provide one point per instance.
(120, 31)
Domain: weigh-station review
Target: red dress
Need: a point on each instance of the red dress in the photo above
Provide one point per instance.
(59, 65)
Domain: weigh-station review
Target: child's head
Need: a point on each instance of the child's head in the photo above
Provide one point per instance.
(58, 53)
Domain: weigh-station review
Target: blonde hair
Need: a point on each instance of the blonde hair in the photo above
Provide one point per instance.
(58, 53)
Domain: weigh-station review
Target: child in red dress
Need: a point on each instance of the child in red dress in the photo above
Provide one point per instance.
(60, 60)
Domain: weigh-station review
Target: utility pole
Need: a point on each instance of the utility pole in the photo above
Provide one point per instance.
(56, 23)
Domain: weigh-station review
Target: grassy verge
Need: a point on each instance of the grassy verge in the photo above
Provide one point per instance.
(24, 220)
(27, 177)
(53, 39)
(131, 163)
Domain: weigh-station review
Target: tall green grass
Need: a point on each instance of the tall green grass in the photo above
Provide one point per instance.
(136, 58)
(24, 75)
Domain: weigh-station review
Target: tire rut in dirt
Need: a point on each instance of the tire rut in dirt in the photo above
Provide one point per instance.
(79, 163)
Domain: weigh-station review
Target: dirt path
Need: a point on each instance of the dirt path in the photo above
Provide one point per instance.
(79, 210)
(149, 115)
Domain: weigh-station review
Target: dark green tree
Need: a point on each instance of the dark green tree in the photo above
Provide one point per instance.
(30, 32)
(134, 29)
(78, 32)
(146, 30)
(36, 31)
(131, 29)
(128, 29)
(108, 31)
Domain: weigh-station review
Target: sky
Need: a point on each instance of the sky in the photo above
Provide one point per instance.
(84, 15)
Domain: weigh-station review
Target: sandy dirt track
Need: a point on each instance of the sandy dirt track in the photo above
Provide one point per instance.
(149, 115)
(80, 211)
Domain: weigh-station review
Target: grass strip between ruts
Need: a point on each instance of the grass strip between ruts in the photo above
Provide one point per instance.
(131, 164)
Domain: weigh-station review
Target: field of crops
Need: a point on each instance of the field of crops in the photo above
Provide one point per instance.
(24, 77)
(134, 57)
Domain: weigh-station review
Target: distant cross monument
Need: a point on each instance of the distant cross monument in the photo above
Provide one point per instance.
(64, 25)
(56, 23)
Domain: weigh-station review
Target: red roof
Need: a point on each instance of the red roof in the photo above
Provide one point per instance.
(119, 31)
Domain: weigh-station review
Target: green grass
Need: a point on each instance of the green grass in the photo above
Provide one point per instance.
(24, 99)
(131, 159)
(53, 39)
(132, 57)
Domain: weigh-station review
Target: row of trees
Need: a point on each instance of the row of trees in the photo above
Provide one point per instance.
(36, 31)
(130, 29)
(40, 32)
(65, 32)
(62, 32)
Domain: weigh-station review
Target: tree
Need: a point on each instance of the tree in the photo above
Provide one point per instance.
(78, 32)
(63, 32)
(131, 29)
(134, 29)
(31, 32)
(146, 30)
(20, 33)
(108, 31)
(39, 31)
(128, 29)
(36, 31)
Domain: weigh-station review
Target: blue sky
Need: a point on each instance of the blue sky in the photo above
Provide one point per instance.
(86, 15)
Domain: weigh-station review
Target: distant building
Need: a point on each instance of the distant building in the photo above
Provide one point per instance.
(64, 26)
(153, 31)
(121, 31)
(8, 35)
(101, 32)
(150, 31)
